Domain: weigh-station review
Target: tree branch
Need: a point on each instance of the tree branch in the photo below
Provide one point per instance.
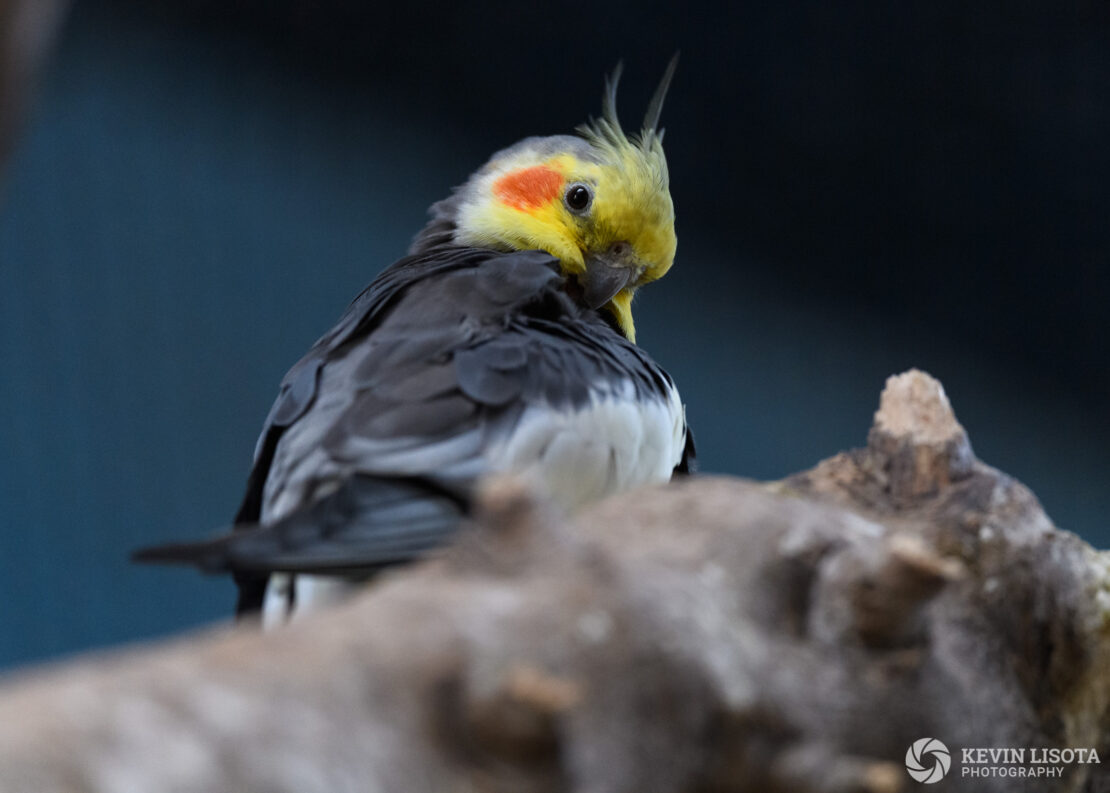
(711, 635)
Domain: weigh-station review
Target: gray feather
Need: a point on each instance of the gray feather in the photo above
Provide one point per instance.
(655, 106)
(379, 432)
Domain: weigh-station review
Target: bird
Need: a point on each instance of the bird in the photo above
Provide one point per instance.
(503, 342)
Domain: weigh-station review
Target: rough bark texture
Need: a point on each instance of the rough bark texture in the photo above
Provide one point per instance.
(711, 635)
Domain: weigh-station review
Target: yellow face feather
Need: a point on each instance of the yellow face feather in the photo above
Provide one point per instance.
(520, 201)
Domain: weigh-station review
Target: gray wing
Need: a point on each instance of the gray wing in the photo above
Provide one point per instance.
(444, 377)
(425, 392)
(300, 386)
(378, 434)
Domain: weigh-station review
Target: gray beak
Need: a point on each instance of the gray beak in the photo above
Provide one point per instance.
(605, 277)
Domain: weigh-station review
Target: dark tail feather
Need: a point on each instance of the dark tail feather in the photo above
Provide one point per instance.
(211, 556)
(368, 523)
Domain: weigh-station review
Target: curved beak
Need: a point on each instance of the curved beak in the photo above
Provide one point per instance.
(606, 275)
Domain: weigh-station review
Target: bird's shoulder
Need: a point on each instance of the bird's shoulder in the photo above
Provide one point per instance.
(457, 284)
(428, 304)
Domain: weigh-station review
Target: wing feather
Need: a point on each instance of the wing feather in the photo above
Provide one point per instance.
(379, 431)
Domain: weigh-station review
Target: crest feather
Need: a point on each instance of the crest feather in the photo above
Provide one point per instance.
(644, 148)
(655, 106)
(606, 132)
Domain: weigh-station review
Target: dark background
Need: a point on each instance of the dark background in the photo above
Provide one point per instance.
(861, 187)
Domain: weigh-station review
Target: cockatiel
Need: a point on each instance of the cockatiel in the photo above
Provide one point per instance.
(503, 342)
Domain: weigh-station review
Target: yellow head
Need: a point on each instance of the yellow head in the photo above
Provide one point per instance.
(600, 203)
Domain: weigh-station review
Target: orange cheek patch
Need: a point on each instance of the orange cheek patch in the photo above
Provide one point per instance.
(528, 188)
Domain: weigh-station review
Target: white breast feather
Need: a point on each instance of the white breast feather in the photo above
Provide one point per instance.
(575, 456)
(615, 443)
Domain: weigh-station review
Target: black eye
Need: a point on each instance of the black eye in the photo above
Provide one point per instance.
(578, 197)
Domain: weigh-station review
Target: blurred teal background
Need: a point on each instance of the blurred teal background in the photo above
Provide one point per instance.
(201, 188)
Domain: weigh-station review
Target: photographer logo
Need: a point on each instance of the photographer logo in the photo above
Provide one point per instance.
(928, 760)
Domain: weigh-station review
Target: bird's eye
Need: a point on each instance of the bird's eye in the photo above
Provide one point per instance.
(578, 197)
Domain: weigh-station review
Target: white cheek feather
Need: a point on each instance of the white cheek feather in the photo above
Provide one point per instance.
(617, 442)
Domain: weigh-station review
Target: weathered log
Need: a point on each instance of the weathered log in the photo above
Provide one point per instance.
(711, 635)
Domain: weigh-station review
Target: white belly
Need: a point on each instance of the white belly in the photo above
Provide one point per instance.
(573, 456)
(613, 444)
